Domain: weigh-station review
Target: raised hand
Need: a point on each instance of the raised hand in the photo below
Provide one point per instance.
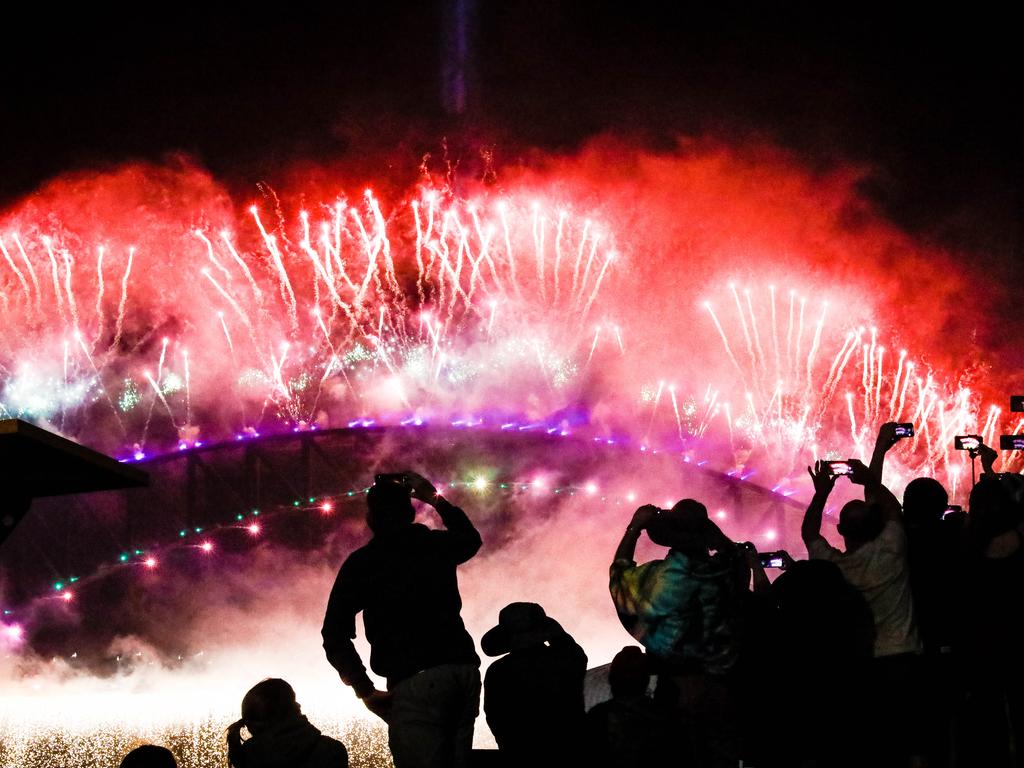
(419, 487)
(886, 436)
(644, 516)
(988, 456)
(862, 474)
(822, 478)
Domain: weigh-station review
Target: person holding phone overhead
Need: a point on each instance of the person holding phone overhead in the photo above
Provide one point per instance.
(875, 562)
(404, 583)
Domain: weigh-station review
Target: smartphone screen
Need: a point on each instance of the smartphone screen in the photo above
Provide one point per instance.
(840, 468)
(1011, 442)
(772, 560)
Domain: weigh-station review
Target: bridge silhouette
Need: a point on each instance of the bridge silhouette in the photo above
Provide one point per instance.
(281, 482)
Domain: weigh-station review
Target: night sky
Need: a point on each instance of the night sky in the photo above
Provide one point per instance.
(930, 102)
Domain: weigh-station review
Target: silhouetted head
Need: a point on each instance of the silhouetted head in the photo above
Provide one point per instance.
(268, 703)
(149, 756)
(388, 507)
(924, 501)
(684, 527)
(629, 674)
(992, 510)
(859, 522)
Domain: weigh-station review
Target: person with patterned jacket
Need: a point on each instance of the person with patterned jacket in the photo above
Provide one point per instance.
(686, 610)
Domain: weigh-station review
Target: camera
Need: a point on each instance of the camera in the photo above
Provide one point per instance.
(1017, 403)
(967, 442)
(953, 509)
(904, 429)
(837, 468)
(399, 478)
(772, 559)
(1011, 442)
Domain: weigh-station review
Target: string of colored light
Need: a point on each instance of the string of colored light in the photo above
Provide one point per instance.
(147, 557)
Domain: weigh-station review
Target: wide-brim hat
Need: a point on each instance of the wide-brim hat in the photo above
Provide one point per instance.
(520, 625)
(684, 527)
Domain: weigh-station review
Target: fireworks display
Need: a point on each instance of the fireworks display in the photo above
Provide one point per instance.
(502, 308)
(344, 314)
(145, 315)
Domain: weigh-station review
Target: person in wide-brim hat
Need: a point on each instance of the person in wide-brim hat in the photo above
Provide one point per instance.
(520, 625)
(533, 694)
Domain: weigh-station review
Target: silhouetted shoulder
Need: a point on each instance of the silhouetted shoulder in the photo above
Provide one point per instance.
(328, 753)
(356, 563)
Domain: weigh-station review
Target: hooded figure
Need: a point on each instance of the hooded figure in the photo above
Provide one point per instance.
(281, 736)
(533, 695)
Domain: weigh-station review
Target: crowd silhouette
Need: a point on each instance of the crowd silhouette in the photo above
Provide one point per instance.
(901, 648)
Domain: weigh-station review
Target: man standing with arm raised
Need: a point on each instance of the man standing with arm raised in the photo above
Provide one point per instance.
(875, 562)
(686, 611)
(404, 581)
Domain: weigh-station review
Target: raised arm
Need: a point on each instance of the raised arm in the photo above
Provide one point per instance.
(566, 645)
(988, 456)
(759, 582)
(824, 481)
(875, 491)
(641, 519)
(463, 537)
(886, 439)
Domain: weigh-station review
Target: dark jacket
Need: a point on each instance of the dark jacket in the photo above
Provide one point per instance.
(405, 584)
(295, 743)
(533, 698)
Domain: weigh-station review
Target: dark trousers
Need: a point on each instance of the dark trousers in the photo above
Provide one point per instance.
(430, 724)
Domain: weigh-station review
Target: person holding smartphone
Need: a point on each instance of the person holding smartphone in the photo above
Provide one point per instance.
(404, 583)
(875, 561)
